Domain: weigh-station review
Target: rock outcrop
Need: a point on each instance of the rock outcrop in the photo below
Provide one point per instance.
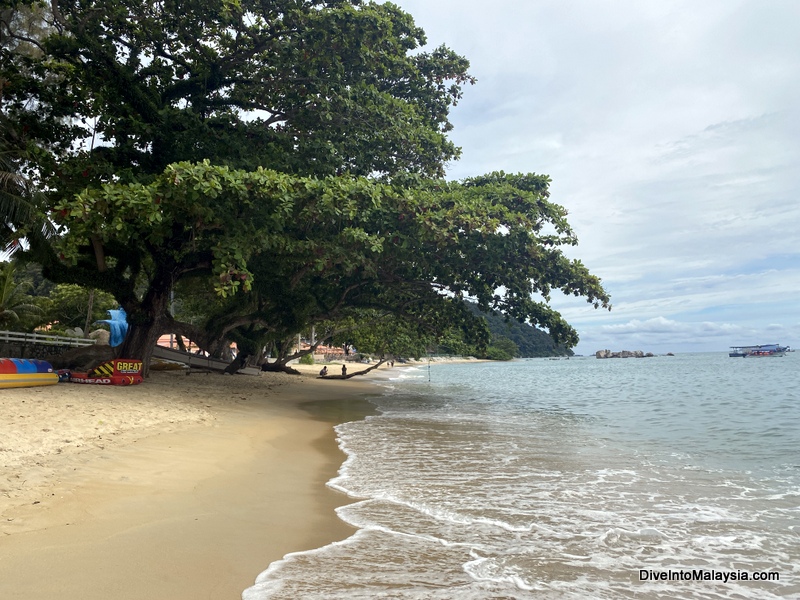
(101, 337)
(82, 359)
(623, 354)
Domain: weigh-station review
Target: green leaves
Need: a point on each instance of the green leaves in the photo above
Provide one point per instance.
(297, 86)
(16, 305)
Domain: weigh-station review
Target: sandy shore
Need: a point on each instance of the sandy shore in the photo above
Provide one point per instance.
(185, 487)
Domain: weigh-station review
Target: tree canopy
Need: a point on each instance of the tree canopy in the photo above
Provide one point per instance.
(119, 89)
(309, 249)
(282, 158)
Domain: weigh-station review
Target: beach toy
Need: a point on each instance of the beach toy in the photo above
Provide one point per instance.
(119, 371)
(23, 372)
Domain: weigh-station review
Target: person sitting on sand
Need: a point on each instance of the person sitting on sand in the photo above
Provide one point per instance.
(344, 371)
(324, 371)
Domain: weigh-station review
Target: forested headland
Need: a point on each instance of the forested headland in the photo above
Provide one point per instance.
(528, 341)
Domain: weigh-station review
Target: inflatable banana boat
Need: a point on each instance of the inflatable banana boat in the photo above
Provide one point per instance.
(24, 372)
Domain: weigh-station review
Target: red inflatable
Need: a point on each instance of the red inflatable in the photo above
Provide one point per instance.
(120, 371)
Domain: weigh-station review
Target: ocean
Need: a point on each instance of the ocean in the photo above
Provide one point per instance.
(652, 478)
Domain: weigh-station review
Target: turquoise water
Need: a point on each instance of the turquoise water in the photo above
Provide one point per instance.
(567, 479)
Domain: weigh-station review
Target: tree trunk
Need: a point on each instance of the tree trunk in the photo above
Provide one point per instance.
(89, 314)
(279, 367)
(349, 375)
(146, 323)
(238, 363)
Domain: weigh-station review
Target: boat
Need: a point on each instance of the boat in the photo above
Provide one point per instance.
(758, 351)
(25, 372)
(119, 371)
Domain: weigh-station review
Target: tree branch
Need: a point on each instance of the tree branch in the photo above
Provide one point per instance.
(99, 254)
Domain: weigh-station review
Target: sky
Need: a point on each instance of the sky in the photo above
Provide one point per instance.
(671, 132)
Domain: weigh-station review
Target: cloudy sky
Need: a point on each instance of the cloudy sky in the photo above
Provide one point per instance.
(671, 131)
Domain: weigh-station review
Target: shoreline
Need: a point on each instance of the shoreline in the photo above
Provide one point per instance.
(180, 488)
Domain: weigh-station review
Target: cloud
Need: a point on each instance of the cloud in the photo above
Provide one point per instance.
(660, 325)
(656, 325)
(671, 131)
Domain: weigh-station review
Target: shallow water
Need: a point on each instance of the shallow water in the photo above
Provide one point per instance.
(578, 478)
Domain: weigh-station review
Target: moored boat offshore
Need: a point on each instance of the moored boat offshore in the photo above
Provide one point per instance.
(763, 350)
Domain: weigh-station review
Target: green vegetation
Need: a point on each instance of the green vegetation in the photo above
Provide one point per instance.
(70, 306)
(503, 339)
(501, 348)
(245, 170)
(529, 341)
(28, 301)
(16, 305)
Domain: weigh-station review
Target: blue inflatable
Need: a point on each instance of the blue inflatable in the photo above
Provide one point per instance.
(118, 323)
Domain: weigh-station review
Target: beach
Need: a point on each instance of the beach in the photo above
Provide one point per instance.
(184, 487)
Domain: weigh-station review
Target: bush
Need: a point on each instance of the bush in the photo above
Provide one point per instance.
(495, 353)
(501, 348)
(307, 359)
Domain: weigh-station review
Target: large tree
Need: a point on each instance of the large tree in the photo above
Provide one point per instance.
(182, 139)
(115, 91)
